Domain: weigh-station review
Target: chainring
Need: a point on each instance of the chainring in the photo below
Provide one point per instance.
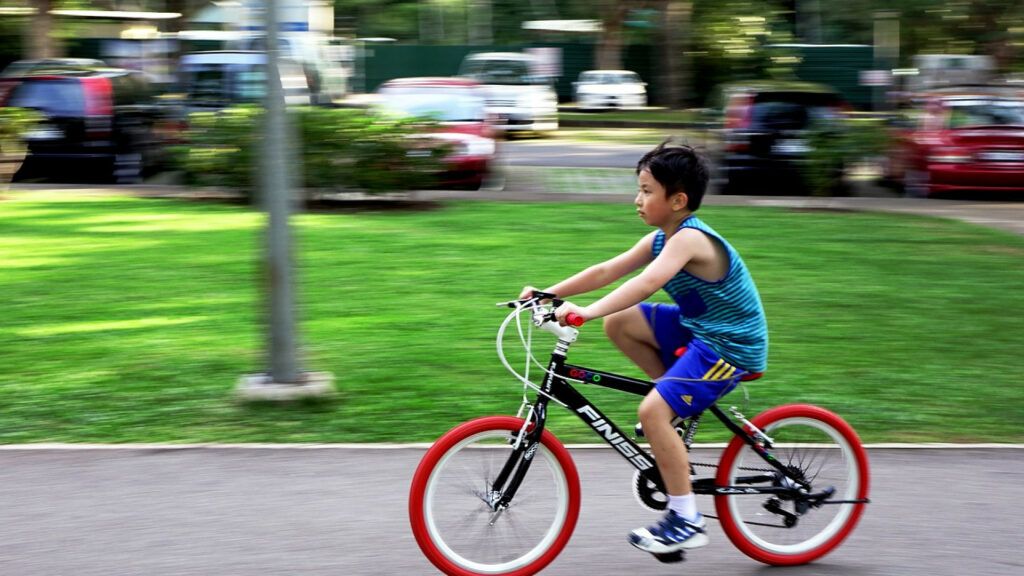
(648, 494)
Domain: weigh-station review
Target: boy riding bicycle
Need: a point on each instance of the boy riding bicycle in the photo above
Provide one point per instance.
(696, 349)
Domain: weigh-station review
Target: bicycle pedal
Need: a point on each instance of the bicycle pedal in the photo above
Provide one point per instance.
(671, 557)
(638, 430)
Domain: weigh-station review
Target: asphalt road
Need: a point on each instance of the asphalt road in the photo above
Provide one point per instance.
(241, 511)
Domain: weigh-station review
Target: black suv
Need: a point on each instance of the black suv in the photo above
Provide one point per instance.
(767, 135)
(103, 120)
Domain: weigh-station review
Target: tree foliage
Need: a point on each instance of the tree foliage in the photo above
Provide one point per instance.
(727, 30)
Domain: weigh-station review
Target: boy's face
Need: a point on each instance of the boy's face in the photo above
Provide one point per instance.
(651, 203)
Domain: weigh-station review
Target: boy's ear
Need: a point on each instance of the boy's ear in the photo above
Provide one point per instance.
(680, 200)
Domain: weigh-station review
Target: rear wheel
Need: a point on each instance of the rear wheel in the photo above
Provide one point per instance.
(788, 528)
(458, 529)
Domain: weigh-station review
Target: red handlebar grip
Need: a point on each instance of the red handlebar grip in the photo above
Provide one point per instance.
(574, 319)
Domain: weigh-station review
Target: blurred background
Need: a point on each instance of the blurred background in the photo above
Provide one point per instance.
(770, 82)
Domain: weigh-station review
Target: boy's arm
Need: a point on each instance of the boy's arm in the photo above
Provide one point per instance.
(678, 251)
(603, 274)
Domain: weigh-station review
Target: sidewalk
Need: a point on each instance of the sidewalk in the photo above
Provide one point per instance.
(544, 184)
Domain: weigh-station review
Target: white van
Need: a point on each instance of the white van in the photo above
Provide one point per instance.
(220, 78)
(518, 99)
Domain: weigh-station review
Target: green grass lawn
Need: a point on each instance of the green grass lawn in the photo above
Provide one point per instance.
(130, 320)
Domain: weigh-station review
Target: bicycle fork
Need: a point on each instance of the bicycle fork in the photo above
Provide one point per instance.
(524, 448)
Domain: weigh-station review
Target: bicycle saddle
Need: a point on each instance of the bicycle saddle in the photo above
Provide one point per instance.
(748, 377)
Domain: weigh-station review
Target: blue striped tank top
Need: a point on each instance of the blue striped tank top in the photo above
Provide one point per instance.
(726, 315)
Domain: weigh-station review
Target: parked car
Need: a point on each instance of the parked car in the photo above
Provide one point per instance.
(221, 78)
(766, 138)
(518, 99)
(960, 139)
(602, 89)
(102, 120)
(457, 105)
(15, 70)
(35, 66)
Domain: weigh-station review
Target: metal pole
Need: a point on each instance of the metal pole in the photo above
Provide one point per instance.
(285, 381)
(276, 191)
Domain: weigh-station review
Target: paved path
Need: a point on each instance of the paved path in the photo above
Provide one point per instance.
(326, 511)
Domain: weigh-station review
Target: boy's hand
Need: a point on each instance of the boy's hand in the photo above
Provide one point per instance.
(527, 292)
(568, 308)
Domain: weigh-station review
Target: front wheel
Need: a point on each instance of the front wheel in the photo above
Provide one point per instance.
(453, 521)
(790, 528)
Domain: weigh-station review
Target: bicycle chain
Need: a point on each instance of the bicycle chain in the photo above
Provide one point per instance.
(743, 468)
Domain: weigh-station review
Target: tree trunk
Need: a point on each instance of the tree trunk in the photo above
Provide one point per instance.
(39, 36)
(675, 60)
(608, 55)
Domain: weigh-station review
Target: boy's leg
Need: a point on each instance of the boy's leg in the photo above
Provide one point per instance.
(649, 335)
(631, 331)
(669, 451)
(675, 531)
(691, 384)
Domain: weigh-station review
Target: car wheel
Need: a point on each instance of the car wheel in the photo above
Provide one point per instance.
(915, 184)
(493, 180)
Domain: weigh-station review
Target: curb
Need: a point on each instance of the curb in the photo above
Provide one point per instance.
(170, 447)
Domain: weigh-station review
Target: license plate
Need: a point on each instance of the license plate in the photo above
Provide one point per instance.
(1002, 156)
(791, 147)
(48, 133)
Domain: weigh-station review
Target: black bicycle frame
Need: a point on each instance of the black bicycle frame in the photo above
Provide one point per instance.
(557, 387)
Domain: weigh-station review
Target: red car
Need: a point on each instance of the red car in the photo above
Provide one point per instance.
(457, 104)
(962, 140)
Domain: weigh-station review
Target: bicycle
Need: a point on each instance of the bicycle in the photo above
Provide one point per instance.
(788, 487)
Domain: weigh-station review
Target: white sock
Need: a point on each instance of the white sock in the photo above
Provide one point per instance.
(685, 506)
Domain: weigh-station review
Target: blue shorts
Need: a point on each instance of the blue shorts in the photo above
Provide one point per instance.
(699, 377)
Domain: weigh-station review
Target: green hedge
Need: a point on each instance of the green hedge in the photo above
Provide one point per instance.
(338, 149)
(14, 123)
(837, 146)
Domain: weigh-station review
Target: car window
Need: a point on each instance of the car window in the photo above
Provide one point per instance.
(514, 72)
(248, 83)
(966, 113)
(218, 85)
(441, 104)
(794, 112)
(53, 97)
(779, 115)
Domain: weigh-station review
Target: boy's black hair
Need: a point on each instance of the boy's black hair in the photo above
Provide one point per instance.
(678, 168)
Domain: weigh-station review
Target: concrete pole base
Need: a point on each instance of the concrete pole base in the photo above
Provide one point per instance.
(261, 387)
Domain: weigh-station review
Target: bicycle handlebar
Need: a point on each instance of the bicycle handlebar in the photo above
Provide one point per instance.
(573, 319)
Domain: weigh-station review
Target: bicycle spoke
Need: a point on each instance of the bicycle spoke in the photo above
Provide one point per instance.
(791, 527)
(460, 528)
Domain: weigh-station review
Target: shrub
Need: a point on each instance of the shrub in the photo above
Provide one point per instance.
(14, 123)
(338, 149)
(839, 145)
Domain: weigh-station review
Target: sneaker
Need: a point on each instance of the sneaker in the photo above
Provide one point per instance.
(671, 534)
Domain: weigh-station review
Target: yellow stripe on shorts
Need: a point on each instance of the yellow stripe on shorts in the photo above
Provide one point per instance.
(722, 370)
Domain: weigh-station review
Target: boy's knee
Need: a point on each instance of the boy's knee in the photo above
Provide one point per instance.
(612, 325)
(653, 408)
(617, 325)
